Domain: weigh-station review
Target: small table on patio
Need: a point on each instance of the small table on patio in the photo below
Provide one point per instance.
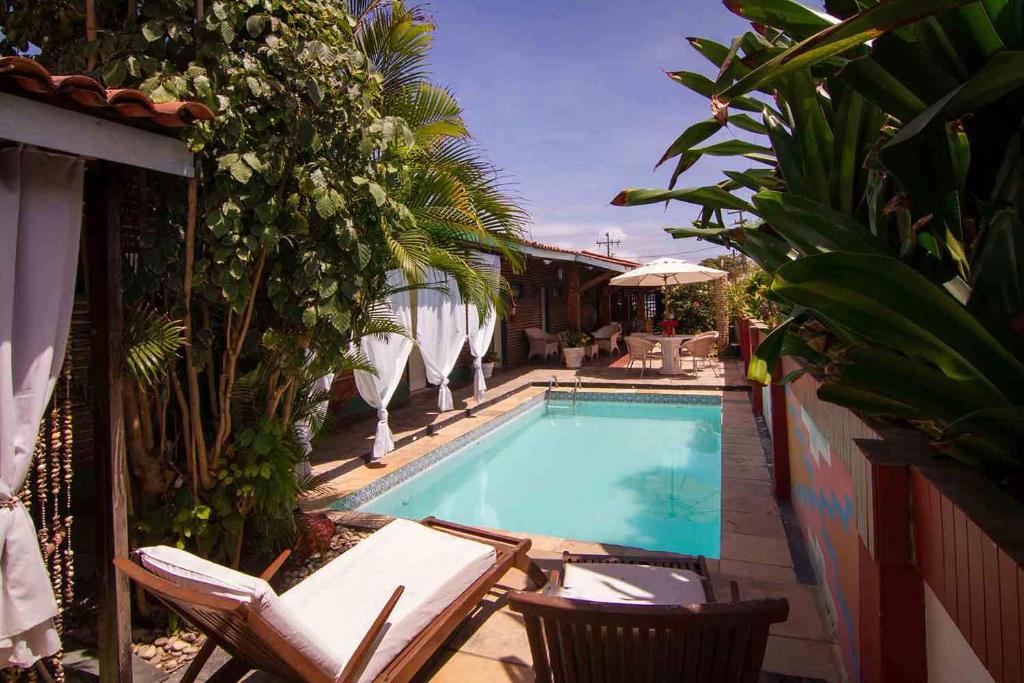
(670, 353)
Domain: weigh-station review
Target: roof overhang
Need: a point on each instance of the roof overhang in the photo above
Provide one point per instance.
(31, 122)
(571, 257)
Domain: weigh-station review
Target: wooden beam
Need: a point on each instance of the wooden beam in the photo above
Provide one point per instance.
(44, 125)
(103, 252)
(572, 293)
(595, 281)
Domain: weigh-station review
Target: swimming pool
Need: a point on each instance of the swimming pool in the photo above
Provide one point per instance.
(637, 473)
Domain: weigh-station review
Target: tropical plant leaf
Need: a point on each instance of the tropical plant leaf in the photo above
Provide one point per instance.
(714, 197)
(789, 16)
(812, 227)
(888, 302)
(151, 343)
(836, 39)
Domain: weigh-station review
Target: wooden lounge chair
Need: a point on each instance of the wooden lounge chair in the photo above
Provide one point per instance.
(634, 637)
(353, 641)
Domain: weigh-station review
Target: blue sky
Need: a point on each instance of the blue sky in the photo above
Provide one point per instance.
(570, 100)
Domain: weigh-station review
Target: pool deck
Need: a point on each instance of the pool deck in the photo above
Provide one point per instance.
(491, 645)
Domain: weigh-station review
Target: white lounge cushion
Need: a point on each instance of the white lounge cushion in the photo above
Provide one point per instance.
(342, 599)
(188, 571)
(630, 584)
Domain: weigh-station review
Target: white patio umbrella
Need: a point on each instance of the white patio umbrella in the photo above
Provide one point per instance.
(666, 271)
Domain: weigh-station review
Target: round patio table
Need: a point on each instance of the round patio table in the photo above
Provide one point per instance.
(670, 353)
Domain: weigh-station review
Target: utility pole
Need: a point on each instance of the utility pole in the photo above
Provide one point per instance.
(608, 243)
(739, 223)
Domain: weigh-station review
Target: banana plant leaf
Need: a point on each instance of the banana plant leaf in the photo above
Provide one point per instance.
(846, 35)
(726, 148)
(766, 357)
(702, 85)
(787, 15)
(694, 135)
(756, 179)
(747, 123)
(714, 197)
(891, 304)
(787, 154)
(997, 272)
(934, 397)
(1002, 428)
(881, 87)
(811, 227)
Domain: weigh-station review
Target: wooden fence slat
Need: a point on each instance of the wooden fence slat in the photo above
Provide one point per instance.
(949, 560)
(963, 574)
(976, 588)
(993, 616)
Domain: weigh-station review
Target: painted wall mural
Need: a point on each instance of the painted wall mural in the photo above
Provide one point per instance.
(822, 494)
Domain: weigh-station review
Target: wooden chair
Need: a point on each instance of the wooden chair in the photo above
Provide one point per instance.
(254, 644)
(581, 641)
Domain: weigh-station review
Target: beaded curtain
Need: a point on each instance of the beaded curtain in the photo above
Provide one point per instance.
(47, 497)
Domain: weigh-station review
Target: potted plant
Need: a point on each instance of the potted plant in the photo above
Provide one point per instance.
(487, 365)
(573, 343)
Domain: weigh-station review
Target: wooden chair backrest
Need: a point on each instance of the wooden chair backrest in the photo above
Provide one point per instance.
(581, 641)
(231, 624)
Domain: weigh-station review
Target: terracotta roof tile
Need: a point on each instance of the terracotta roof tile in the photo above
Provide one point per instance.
(24, 76)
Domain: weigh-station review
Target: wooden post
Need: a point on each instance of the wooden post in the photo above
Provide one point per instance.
(892, 612)
(572, 293)
(780, 438)
(103, 253)
(604, 308)
(756, 395)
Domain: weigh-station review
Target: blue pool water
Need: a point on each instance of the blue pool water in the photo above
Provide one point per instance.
(639, 474)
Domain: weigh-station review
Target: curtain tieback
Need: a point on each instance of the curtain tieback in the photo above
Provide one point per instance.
(382, 414)
(10, 503)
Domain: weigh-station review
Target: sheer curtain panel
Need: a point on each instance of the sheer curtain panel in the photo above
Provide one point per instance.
(40, 219)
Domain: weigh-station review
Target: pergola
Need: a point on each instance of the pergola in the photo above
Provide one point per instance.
(75, 116)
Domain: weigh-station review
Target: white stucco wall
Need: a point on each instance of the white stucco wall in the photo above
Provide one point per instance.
(950, 657)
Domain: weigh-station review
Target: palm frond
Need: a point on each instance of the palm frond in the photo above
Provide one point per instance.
(151, 342)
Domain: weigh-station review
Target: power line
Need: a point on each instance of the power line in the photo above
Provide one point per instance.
(675, 253)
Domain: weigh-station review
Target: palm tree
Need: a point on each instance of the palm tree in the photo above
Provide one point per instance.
(458, 202)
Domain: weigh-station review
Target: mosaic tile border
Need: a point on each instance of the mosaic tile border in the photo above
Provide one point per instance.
(389, 481)
(633, 397)
(392, 479)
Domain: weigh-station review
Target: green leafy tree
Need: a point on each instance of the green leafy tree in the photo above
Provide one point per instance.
(275, 259)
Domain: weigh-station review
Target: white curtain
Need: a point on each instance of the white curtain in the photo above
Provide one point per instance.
(480, 334)
(389, 358)
(40, 218)
(440, 332)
